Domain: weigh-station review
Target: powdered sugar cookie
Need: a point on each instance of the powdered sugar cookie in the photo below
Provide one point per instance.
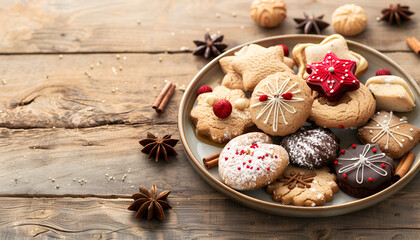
(394, 135)
(222, 114)
(280, 104)
(304, 187)
(252, 64)
(251, 161)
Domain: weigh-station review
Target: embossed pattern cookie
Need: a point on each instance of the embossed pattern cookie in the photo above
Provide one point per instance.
(394, 135)
(311, 147)
(349, 20)
(363, 170)
(252, 64)
(222, 114)
(281, 104)
(251, 161)
(304, 187)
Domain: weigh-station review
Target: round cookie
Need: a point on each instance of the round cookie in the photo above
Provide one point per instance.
(311, 147)
(350, 110)
(280, 104)
(251, 161)
(349, 20)
(268, 13)
(363, 170)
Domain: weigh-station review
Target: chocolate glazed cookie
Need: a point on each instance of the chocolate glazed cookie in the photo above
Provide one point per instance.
(312, 147)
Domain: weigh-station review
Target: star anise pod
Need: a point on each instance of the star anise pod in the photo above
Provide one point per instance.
(210, 46)
(159, 147)
(298, 179)
(396, 14)
(311, 24)
(149, 204)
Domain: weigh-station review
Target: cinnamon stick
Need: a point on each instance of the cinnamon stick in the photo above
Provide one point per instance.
(159, 100)
(404, 166)
(211, 163)
(414, 44)
(166, 99)
(211, 157)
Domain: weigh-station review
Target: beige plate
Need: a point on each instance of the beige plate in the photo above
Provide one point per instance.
(212, 75)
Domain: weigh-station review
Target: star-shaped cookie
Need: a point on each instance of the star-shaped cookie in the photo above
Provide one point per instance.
(332, 77)
(307, 53)
(252, 64)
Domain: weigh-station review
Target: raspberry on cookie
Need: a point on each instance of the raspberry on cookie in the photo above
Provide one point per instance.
(251, 161)
(304, 187)
(280, 104)
(252, 64)
(222, 114)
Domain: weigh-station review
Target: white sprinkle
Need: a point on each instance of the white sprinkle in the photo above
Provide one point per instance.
(217, 15)
(313, 189)
(60, 56)
(138, 22)
(332, 90)
(398, 127)
(403, 140)
(160, 59)
(313, 204)
(411, 129)
(117, 56)
(3, 81)
(234, 14)
(370, 131)
(57, 186)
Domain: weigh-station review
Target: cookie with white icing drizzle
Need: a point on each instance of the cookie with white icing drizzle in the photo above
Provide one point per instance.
(251, 161)
(280, 104)
(363, 170)
(304, 187)
(394, 135)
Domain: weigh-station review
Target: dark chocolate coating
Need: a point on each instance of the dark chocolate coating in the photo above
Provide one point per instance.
(312, 147)
(364, 187)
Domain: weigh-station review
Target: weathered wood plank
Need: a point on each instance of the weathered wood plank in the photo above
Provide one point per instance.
(198, 217)
(112, 26)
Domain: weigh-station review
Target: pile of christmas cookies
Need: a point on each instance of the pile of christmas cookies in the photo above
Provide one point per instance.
(261, 97)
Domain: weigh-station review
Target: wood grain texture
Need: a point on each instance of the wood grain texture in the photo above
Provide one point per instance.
(112, 26)
(201, 216)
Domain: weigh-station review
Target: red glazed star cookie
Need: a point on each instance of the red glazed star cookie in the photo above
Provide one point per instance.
(304, 187)
(332, 77)
(280, 104)
(251, 161)
(307, 53)
(252, 64)
(394, 135)
(222, 114)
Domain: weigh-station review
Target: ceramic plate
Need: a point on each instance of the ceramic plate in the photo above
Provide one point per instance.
(196, 149)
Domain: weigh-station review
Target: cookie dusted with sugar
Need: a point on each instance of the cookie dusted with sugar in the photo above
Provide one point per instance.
(394, 135)
(222, 114)
(251, 161)
(252, 64)
(311, 147)
(280, 104)
(363, 170)
(307, 53)
(304, 187)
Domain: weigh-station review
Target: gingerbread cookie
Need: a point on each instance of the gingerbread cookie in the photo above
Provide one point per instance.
(251, 161)
(350, 110)
(222, 114)
(252, 64)
(392, 93)
(394, 135)
(280, 104)
(363, 170)
(304, 187)
(307, 53)
(349, 20)
(312, 147)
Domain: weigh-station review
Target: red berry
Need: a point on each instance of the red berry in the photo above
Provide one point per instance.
(370, 179)
(244, 163)
(226, 158)
(382, 71)
(343, 151)
(268, 169)
(258, 168)
(247, 166)
(285, 49)
(222, 108)
(251, 168)
(287, 95)
(204, 89)
(344, 175)
(250, 161)
(335, 162)
(239, 168)
(383, 165)
(341, 126)
(374, 150)
(354, 145)
(263, 98)
(275, 156)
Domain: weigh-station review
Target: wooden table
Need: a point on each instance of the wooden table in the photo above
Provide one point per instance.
(79, 81)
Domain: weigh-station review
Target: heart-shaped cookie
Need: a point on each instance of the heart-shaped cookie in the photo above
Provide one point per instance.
(251, 161)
